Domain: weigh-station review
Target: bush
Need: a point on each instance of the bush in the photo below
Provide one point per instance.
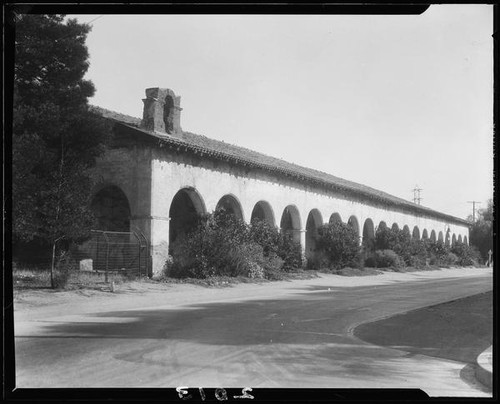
(338, 245)
(388, 259)
(450, 259)
(223, 245)
(467, 255)
(276, 244)
(371, 262)
(65, 266)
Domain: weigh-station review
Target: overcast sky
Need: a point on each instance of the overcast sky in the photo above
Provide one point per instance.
(386, 101)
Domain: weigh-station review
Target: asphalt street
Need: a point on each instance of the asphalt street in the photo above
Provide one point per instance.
(302, 338)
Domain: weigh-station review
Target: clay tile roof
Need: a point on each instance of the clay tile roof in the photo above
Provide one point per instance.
(240, 155)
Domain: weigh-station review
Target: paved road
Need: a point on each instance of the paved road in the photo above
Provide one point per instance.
(299, 339)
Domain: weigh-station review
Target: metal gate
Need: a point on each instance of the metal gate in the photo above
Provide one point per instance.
(126, 252)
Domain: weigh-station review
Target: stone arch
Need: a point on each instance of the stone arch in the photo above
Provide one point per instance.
(395, 226)
(406, 230)
(416, 233)
(440, 237)
(263, 211)
(460, 239)
(231, 205)
(290, 222)
(425, 235)
(335, 218)
(433, 235)
(382, 225)
(111, 209)
(353, 222)
(186, 209)
(453, 239)
(168, 112)
(314, 220)
(368, 237)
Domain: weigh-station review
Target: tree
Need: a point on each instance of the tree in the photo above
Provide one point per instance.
(481, 232)
(56, 138)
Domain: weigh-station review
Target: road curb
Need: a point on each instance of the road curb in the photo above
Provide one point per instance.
(484, 368)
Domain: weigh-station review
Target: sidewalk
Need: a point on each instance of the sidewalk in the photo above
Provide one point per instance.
(484, 370)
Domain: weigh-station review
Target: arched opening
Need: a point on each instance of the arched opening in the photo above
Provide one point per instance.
(453, 240)
(395, 227)
(460, 239)
(406, 230)
(433, 236)
(353, 222)
(368, 238)
(447, 238)
(231, 205)
(382, 225)
(290, 222)
(425, 235)
(263, 211)
(314, 220)
(168, 112)
(185, 211)
(111, 209)
(416, 233)
(335, 218)
(440, 237)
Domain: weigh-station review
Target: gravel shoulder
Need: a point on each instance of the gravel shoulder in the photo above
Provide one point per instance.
(38, 303)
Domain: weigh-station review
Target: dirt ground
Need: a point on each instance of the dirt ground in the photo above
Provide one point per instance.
(147, 293)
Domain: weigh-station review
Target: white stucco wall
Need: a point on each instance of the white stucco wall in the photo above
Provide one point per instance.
(213, 180)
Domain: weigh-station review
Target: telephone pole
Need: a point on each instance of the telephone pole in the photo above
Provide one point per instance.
(474, 210)
(416, 194)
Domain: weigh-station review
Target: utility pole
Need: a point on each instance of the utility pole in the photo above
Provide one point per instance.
(474, 210)
(416, 194)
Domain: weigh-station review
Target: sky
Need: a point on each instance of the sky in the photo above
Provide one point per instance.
(392, 102)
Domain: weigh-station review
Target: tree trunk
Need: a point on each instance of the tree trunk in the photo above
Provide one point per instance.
(53, 265)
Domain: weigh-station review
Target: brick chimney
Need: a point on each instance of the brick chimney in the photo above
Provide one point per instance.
(162, 111)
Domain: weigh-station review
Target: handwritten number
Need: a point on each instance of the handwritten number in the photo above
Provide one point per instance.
(183, 393)
(245, 393)
(221, 394)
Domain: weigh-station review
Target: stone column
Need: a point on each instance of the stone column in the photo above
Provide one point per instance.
(160, 230)
(303, 245)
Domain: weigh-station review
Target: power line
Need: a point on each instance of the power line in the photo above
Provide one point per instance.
(416, 194)
(90, 22)
(473, 210)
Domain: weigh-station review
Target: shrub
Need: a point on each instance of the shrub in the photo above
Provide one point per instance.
(438, 252)
(338, 243)
(467, 255)
(255, 270)
(371, 262)
(65, 266)
(388, 259)
(276, 244)
(290, 252)
(223, 245)
(450, 259)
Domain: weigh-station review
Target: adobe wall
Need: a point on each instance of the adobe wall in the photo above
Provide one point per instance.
(129, 169)
(171, 172)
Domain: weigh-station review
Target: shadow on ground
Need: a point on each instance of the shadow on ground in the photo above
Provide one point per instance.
(458, 330)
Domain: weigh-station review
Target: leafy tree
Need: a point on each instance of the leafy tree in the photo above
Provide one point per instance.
(481, 232)
(56, 138)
